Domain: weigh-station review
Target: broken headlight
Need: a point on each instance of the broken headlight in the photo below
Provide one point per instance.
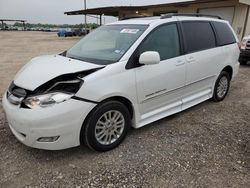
(46, 100)
(55, 91)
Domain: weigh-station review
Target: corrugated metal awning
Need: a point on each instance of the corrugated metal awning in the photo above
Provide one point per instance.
(114, 10)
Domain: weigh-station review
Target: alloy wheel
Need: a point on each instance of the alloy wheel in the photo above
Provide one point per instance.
(222, 87)
(109, 127)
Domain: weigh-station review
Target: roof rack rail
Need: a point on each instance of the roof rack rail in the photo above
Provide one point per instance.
(169, 15)
(132, 17)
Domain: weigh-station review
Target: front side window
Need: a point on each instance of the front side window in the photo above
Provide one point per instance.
(198, 36)
(106, 44)
(164, 40)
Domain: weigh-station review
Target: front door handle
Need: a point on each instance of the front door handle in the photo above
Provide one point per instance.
(180, 63)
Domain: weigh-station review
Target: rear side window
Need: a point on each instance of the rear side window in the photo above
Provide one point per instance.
(198, 36)
(224, 34)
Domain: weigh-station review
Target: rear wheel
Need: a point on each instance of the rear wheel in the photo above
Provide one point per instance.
(106, 126)
(221, 86)
(243, 62)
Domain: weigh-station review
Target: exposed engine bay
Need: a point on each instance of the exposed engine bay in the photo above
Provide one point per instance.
(67, 83)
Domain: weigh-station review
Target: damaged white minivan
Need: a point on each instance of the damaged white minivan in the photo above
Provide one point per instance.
(128, 73)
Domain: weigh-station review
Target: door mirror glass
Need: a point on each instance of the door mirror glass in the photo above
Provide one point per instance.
(149, 58)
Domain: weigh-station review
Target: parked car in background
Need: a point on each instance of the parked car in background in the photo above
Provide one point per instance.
(65, 32)
(61, 33)
(128, 73)
(80, 32)
(245, 50)
(71, 32)
(46, 30)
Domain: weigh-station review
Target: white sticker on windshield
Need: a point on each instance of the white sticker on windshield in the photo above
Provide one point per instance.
(117, 51)
(130, 31)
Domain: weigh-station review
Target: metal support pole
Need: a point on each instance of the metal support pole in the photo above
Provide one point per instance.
(245, 24)
(100, 20)
(2, 24)
(85, 17)
(24, 28)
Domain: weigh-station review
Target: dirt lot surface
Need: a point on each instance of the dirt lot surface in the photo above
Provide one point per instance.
(205, 146)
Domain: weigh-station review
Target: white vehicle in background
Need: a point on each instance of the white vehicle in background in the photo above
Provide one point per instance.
(128, 73)
(245, 50)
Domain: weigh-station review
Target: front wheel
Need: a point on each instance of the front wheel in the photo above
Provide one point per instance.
(221, 87)
(106, 126)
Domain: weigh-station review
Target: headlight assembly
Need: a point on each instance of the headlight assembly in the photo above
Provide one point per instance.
(54, 91)
(46, 99)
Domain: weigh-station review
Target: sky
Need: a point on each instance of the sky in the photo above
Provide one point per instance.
(52, 11)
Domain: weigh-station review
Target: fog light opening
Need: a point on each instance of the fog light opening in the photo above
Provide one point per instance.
(48, 139)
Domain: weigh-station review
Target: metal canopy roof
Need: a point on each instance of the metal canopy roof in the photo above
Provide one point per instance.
(8, 20)
(114, 10)
(108, 11)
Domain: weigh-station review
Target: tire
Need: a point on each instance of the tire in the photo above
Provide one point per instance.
(221, 87)
(243, 62)
(101, 131)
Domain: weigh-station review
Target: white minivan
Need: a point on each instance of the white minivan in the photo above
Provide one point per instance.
(128, 73)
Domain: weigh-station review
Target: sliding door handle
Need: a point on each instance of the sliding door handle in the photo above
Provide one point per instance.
(190, 59)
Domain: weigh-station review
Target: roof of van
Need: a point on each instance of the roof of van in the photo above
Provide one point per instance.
(139, 21)
(153, 19)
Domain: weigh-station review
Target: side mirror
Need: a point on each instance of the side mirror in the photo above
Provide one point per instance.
(149, 58)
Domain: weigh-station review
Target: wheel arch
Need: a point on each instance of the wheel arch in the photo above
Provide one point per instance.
(120, 99)
(124, 101)
(229, 70)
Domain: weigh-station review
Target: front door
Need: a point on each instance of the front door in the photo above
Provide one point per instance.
(160, 86)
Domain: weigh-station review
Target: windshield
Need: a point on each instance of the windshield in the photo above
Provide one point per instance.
(107, 44)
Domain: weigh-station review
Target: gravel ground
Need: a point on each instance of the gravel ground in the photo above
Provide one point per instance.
(205, 146)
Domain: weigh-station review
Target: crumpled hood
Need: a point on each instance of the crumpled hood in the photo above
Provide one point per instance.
(44, 68)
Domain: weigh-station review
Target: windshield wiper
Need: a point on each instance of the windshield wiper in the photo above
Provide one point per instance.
(63, 53)
(74, 58)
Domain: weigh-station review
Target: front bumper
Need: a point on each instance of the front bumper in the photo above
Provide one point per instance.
(64, 120)
(244, 55)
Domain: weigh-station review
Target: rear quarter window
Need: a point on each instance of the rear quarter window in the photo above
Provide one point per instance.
(224, 33)
(198, 36)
